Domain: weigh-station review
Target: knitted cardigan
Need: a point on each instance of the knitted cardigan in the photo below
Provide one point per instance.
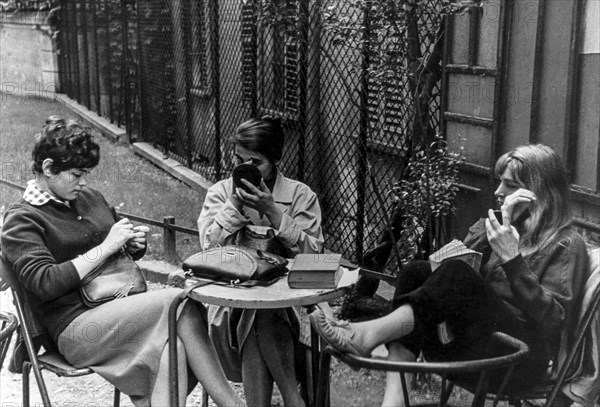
(41, 241)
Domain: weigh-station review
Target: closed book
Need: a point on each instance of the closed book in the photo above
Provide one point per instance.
(315, 271)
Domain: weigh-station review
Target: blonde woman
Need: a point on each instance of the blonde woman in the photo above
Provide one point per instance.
(533, 272)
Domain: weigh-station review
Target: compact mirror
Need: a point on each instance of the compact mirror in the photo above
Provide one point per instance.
(248, 172)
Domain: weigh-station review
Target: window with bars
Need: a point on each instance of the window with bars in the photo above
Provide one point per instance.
(391, 100)
(270, 56)
(388, 98)
(249, 18)
(199, 46)
(389, 111)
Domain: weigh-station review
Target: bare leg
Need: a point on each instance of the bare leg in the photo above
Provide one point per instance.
(394, 394)
(258, 382)
(386, 329)
(160, 394)
(362, 337)
(276, 347)
(202, 357)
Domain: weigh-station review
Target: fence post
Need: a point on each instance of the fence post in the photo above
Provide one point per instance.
(169, 243)
(216, 86)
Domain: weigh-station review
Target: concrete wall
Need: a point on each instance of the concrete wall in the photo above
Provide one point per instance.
(27, 63)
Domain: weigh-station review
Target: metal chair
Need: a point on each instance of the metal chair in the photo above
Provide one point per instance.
(50, 360)
(516, 352)
(8, 327)
(547, 388)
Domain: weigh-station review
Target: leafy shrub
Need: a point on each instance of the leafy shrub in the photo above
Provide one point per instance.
(427, 195)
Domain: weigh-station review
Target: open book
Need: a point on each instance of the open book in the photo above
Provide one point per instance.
(456, 250)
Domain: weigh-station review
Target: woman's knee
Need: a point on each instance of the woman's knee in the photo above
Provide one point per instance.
(456, 271)
(192, 314)
(397, 351)
(412, 276)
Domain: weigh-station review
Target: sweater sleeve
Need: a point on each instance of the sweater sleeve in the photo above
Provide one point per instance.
(24, 247)
(136, 255)
(219, 220)
(477, 240)
(547, 295)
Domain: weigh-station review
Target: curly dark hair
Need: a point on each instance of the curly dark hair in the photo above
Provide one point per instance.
(67, 143)
(264, 135)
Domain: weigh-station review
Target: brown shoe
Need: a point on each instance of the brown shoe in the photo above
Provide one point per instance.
(338, 334)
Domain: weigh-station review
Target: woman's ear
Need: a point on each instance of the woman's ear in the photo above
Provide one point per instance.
(47, 168)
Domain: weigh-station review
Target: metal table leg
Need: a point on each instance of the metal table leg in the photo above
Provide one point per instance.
(173, 371)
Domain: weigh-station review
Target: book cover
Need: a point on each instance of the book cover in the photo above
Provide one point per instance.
(315, 271)
(456, 250)
(300, 282)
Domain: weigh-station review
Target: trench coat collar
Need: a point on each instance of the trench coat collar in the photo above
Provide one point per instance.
(282, 190)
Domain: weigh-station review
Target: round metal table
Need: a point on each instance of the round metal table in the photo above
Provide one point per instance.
(276, 295)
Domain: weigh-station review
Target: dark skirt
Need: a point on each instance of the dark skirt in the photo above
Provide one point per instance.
(456, 311)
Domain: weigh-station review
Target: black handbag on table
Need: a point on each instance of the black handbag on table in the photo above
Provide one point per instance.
(119, 276)
(236, 265)
(262, 238)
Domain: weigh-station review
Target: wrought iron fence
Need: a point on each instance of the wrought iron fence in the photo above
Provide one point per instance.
(182, 74)
(11, 6)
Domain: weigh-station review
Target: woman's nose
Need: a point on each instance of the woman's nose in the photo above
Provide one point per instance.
(499, 191)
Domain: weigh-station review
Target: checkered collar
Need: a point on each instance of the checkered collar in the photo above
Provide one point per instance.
(36, 197)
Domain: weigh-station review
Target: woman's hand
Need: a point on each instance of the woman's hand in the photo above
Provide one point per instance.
(138, 242)
(260, 200)
(517, 202)
(236, 200)
(119, 234)
(503, 238)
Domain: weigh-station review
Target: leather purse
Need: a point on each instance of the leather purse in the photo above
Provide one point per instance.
(236, 265)
(262, 238)
(119, 276)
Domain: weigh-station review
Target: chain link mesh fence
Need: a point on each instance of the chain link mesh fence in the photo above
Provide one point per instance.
(182, 74)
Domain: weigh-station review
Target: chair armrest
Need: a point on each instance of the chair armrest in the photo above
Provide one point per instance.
(520, 351)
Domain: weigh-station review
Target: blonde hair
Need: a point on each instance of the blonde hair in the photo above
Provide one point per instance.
(539, 168)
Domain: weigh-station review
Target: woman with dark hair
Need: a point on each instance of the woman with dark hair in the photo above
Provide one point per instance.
(533, 272)
(264, 339)
(60, 232)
